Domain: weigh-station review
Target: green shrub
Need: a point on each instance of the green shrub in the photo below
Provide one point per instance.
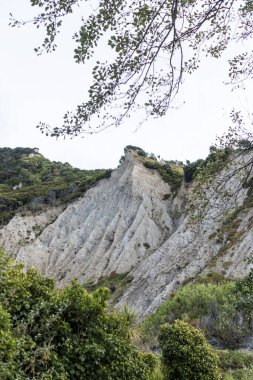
(157, 373)
(228, 329)
(235, 360)
(7, 346)
(186, 355)
(244, 295)
(199, 303)
(136, 149)
(241, 374)
(236, 365)
(66, 334)
(190, 170)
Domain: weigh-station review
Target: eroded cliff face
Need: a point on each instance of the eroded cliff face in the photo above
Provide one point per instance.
(113, 227)
(131, 223)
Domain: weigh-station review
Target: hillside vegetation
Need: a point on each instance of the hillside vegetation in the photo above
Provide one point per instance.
(201, 332)
(29, 181)
(71, 334)
(222, 310)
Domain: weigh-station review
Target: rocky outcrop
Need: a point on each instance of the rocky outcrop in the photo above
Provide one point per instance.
(132, 223)
(25, 229)
(116, 225)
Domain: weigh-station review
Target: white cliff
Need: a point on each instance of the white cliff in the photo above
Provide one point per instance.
(128, 224)
(115, 225)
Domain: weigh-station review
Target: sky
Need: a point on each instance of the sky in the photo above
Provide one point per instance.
(42, 88)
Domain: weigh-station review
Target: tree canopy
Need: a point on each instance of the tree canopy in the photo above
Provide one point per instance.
(29, 182)
(155, 44)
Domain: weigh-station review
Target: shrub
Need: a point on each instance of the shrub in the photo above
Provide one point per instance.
(230, 330)
(117, 283)
(235, 360)
(244, 295)
(236, 365)
(66, 334)
(190, 170)
(186, 355)
(7, 346)
(194, 303)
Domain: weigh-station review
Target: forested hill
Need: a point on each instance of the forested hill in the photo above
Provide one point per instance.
(30, 182)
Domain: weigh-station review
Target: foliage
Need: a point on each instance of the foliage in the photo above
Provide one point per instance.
(240, 374)
(63, 334)
(192, 303)
(202, 170)
(173, 175)
(170, 171)
(190, 170)
(235, 359)
(244, 295)
(157, 373)
(213, 180)
(205, 170)
(236, 365)
(238, 143)
(7, 346)
(210, 183)
(211, 278)
(155, 45)
(186, 355)
(136, 149)
(213, 307)
(117, 283)
(29, 181)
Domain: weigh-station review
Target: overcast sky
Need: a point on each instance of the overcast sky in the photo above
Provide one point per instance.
(42, 88)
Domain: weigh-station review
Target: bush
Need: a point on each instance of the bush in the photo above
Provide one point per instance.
(7, 346)
(235, 360)
(241, 374)
(230, 330)
(236, 365)
(200, 304)
(66, 334)
(186, 355)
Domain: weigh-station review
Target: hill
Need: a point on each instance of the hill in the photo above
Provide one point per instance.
(143, 231)
(30, 182)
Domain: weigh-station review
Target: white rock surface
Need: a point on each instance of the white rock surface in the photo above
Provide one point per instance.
(127, 224)
(22, 230)
(115, 225)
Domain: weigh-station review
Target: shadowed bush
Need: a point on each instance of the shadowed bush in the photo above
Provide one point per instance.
(186, 355)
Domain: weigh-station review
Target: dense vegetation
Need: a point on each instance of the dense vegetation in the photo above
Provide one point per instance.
(222, 309)
(204, 169)
(73, 334)
(29, 181)
(66, 334)
(172, 174)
